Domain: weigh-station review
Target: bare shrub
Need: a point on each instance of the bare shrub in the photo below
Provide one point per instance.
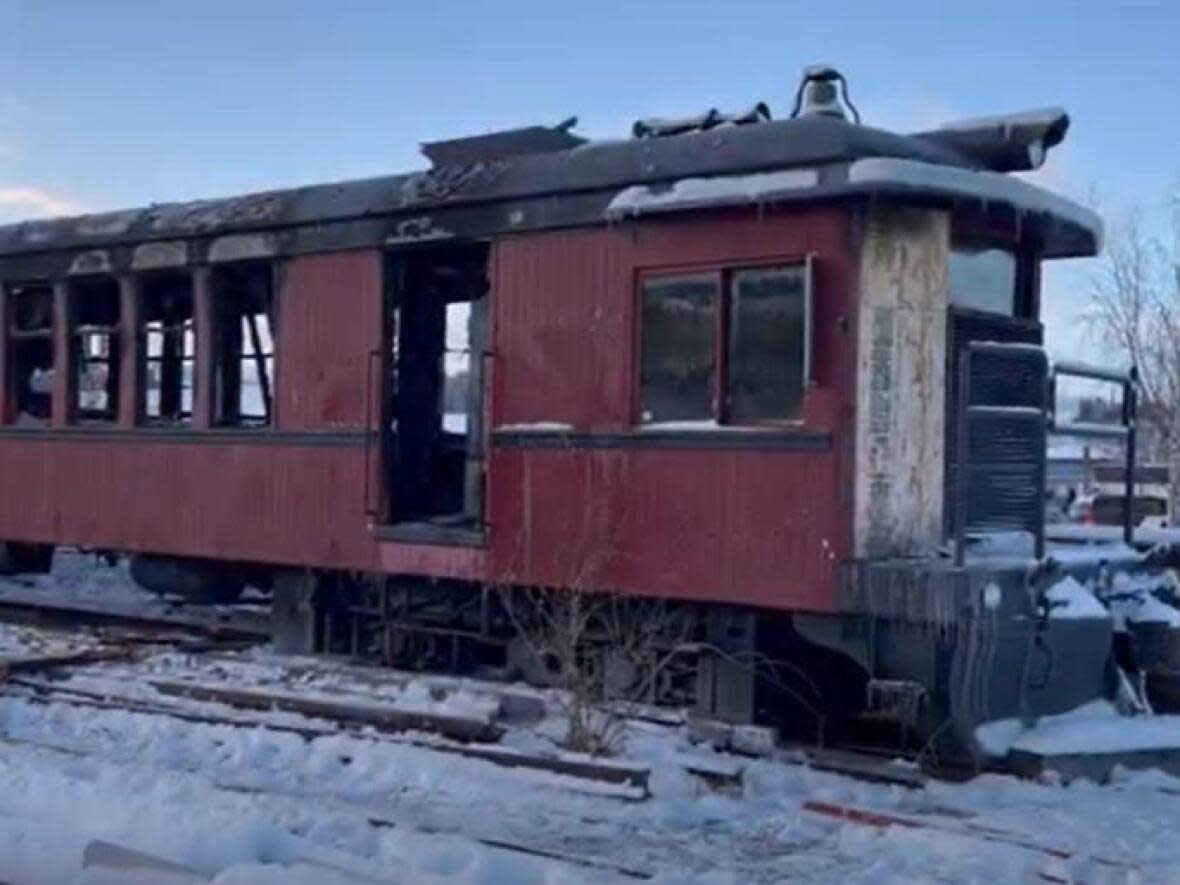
(602, 653)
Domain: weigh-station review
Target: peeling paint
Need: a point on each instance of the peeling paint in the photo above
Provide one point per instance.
(242, 247)
(901, 384)
(91, 262)
(416, 230)
(155, 256)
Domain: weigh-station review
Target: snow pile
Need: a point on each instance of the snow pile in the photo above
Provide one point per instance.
(1134, 601)
(1096, 727)
(1069, 600)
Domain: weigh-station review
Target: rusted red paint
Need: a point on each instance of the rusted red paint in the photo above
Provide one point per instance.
(751, 526)
(63, 381)
(329, 324)
(130, 349)
(759, 527)
(269, 503)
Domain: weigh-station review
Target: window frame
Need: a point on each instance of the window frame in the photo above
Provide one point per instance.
(116, 341)
(221, 298)
(11, 397)
(724, 275)
(974, 233)
(188, 331)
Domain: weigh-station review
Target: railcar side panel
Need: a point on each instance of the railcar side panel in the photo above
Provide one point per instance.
(606, 506)
(292, 503)
(329, 330)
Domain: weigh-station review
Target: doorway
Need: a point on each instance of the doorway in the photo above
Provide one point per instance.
(436, 337)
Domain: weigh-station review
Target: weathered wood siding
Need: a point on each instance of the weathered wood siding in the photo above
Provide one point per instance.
(900, 390)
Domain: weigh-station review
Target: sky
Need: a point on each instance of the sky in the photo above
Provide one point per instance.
(127, 102)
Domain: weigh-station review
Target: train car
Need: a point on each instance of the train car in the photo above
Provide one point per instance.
(775, 385)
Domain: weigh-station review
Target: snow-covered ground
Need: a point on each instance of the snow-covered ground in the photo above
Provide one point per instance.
(261, 804)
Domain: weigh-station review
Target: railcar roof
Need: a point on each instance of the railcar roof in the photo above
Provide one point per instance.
(848, 159)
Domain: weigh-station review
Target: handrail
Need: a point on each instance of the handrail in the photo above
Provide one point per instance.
(1125, 431)
(369, 508)
(1097, 373)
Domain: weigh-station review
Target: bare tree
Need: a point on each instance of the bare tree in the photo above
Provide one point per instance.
(1135, 309)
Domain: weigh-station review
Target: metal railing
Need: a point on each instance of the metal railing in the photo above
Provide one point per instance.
(1004, 421)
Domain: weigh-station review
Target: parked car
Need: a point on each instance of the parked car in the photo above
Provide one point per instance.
(1105, 508)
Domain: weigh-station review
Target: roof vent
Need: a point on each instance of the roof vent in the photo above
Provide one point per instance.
(823, 92)
(502, 145)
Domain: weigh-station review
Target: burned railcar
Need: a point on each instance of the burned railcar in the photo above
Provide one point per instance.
(716, 364)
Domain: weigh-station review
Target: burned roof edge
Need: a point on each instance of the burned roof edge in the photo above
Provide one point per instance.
(605, 167)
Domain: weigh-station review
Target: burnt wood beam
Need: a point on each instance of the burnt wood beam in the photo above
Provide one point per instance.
(63, 374)
(131, 374)
(204, 323)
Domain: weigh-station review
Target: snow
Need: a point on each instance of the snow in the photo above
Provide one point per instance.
(1046, 117)
(536, 427)
(693, 193)
(1096, 727)
(992, 187)
(1069, 600)
(252, 805)
(1151, 610)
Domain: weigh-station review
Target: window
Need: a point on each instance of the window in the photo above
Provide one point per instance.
(983, 278)
(678, 355)
(456, 374)
(763, 317)
(95, 354)
(244, 353)
(768, 344)
(30, 345)
(169, 349)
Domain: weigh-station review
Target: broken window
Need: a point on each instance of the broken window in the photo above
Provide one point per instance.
(243, 303)
(456, 373)
(762, 317)
(169, 352)
(95, 354)
(30, 351)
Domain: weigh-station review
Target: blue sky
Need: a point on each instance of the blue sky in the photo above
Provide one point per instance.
(129, 101)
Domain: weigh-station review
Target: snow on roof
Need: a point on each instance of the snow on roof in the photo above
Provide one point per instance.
(1035, 117)
(988, 187)
(695, 193)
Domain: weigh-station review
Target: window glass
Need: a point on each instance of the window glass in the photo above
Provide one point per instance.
(677, 351)
(983, 278)
(767, 344)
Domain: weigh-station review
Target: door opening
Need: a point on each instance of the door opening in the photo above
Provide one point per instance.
(435, 329)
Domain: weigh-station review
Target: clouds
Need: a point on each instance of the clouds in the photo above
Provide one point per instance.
(21, 202)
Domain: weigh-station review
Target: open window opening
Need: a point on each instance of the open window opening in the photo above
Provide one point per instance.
(730, 347)
(434, 437)
(169, 349)
(30, 349)
(96, 346)
(243, 303)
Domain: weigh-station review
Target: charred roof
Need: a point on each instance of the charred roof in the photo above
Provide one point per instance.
(546, 165)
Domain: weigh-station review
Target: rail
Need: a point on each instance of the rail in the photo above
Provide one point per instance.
(1125, 432)
(1006, 413)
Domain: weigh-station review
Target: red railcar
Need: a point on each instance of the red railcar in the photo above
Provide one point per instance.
(715, 364)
